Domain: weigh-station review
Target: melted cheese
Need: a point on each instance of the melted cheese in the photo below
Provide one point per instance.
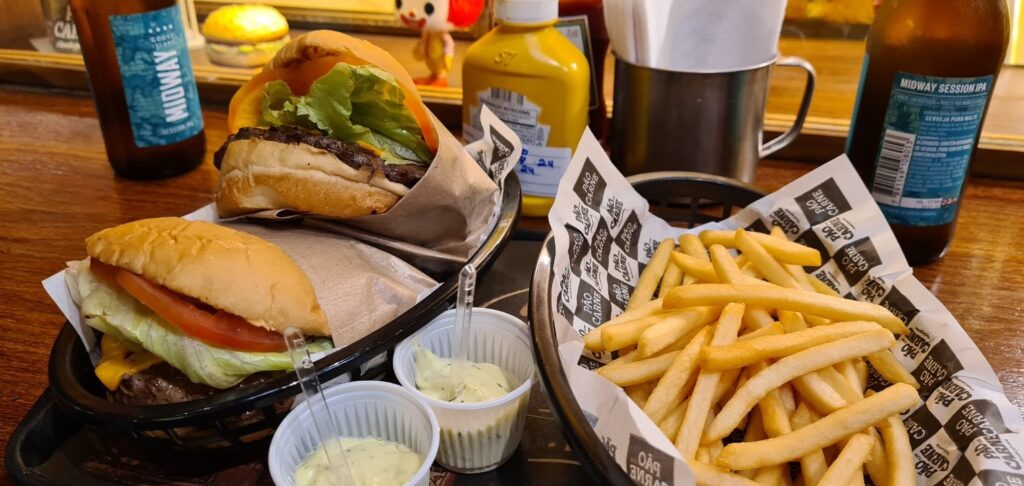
(118, 361)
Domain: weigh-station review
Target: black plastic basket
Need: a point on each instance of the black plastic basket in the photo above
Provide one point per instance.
(247, 414)
(684, 199)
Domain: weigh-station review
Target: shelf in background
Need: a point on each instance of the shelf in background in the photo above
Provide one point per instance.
(837, 62)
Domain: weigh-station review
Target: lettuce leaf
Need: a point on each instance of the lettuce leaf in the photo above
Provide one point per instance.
(112, 311)
(354, 104)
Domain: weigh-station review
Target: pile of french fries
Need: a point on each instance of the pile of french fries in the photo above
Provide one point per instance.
(744, 346)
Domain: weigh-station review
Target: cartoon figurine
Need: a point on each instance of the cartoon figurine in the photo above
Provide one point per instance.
(436, 18)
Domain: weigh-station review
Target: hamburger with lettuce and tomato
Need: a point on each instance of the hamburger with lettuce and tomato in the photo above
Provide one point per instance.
(332, 125)
(188, 308)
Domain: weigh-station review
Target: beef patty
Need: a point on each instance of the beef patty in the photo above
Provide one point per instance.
(351, 154)
(162, 383)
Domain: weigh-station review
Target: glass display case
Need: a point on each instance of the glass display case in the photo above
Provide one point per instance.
(37, 49)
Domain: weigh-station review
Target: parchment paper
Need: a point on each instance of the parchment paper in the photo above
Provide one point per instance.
(965, 433)
(360, 288)
(452, 209)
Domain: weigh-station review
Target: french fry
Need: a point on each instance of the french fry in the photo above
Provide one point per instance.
(771, 475)
(847, 390)
(790, 367)
(812, 464)
(691, 245)
(818, 394)
(688, 437)
(834, 308)
(849, 372)
(823, 288)
(900, 455)
(774, 329)
(749, 270)
(890, 369)
(849, 463)
(670, 390)
(624, 357)
(861, 367)
(773, 415)
(695, 267)
(703, 455)
(649, 278)
(592, 340)
(628, 333)
(754, 431)
(673, 278)
(639, 393)
(763, 261)
(653, 339)
(725, 385)
(715, 448)
(829, 430)
(639, 371)
(670, 424)
(724, 265)
(787, 275)
(877, 463)
(727, 271)
(736, 355)
(788, 398)
(784, 251)
(707, 475)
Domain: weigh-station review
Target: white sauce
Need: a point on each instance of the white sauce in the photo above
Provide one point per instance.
(482, 381)
(372, 461)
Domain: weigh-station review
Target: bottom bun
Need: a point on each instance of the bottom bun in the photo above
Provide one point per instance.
(258, 175)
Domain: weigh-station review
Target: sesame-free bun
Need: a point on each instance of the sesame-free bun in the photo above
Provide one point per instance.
(222, 267)
(256, 175)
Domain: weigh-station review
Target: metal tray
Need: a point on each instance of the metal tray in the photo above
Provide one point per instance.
(213, 422)
(683, 199)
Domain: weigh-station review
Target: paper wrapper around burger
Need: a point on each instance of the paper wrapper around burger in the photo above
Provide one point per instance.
(360, 288)
(453, 207)
(965, 432)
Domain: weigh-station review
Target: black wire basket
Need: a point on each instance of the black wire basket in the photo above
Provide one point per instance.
(684, 199)
(245, 415)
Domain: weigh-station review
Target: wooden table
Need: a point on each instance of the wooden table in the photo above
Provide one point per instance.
(57, 189)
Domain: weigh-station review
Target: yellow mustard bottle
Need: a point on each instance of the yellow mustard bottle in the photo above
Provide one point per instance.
(538, 83)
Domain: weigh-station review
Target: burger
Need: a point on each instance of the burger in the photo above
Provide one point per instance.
(188, 308)
(244, 35)
(332, 125)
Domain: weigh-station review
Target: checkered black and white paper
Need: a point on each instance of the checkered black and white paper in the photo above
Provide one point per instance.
(966, 432)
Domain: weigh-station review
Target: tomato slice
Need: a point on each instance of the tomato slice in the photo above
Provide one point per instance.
(218, 328)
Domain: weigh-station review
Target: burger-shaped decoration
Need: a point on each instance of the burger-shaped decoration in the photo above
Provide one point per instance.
(244, 35)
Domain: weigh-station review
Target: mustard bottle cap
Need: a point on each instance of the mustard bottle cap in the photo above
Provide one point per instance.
(526, 11)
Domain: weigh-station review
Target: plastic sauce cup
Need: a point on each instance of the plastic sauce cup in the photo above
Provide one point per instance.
(360, 409)
(476, 437)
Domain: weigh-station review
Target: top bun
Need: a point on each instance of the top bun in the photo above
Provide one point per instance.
(222, 267)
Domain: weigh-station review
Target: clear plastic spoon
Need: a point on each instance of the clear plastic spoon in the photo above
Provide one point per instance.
(463, 316)
(323, 421)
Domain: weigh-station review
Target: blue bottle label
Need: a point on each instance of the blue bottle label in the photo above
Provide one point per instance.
(928, 137)
(156, 71)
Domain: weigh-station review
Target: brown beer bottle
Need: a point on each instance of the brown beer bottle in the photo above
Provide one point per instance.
(925, 86)
(141, 77)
